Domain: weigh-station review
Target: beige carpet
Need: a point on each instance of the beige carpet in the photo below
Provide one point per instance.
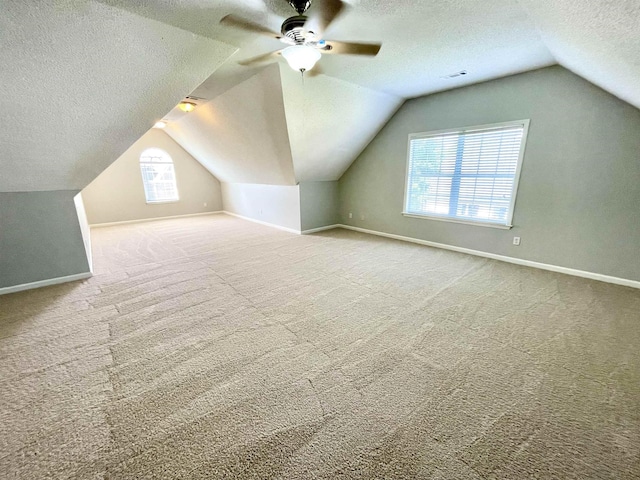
(216, 348)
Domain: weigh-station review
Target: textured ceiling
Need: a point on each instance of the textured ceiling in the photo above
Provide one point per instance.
(332, 117)
(275, 128)
(422, 40)
(241, 135)
(428, 39)
(597, 39)
(81, 82)
(330, 122)
(90, 51)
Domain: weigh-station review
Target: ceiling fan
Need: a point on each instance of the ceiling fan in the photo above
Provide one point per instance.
(303, 35)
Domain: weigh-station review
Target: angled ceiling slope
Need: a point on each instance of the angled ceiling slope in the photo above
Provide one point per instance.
(330, 121)
(334, 115)
(422, 40)
(595, 39)
(81, 82)
(276, 128)
(241, 135)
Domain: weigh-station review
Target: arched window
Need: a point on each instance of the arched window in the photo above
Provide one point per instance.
(158, 176)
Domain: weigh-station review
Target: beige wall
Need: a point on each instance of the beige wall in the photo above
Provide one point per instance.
(118, 194)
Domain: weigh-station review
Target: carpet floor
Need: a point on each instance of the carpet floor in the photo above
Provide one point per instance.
(211, 347)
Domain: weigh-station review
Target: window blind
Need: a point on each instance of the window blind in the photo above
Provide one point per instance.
(158, 176)
(465, 174)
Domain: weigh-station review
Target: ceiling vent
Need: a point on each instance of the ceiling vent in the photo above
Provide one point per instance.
(461, 73)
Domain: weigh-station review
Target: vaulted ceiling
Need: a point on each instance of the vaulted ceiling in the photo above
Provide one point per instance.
(81, 82)
(596, 39)
(84, 79)
(278, 129)
(422, 40)
(241, 135)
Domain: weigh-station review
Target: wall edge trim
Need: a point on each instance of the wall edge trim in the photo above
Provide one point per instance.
(267, 224)
(503, 258)
(45, 283)
(320, 229)
(153, 219)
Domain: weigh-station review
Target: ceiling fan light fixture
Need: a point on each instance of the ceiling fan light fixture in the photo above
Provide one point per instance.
(301, 57)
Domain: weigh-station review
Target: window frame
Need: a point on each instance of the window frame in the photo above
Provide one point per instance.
(516, 179)
(144, 184)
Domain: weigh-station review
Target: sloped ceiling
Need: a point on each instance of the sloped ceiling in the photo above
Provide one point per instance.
(332, 116)
(596, 39)
(422, 40)
(241, 135)
(90, 51)
(81, 82)
(277, 128)
(330, 122)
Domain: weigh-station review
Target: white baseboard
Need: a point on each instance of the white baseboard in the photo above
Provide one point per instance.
(320, 229)
(503, 258)
(45, 283)
(267, 224)
(144, 220)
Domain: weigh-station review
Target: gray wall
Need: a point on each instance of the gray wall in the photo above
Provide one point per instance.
(117, 194)
(40, 237)
(578, 200)
(275, 204)
(318, 204)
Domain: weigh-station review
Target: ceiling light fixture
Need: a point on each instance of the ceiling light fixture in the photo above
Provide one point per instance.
(301, 57)
(187, 106)
(160, 124)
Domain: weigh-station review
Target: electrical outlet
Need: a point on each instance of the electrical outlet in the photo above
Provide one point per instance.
(516, 240)
(205, 204)
(350, 215)
(362, 217)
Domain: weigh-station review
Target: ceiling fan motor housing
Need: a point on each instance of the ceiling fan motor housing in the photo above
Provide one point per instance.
(293, 28)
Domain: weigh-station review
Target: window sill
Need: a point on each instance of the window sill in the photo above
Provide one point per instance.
(162, 201)
(463, 222)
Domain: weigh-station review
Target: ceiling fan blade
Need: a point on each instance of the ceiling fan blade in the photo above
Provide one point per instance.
(370, 49)
(260, 58)
(241, 23)
(323, 12)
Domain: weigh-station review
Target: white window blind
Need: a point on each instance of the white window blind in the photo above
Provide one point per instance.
(466, 175)
(158, 176)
